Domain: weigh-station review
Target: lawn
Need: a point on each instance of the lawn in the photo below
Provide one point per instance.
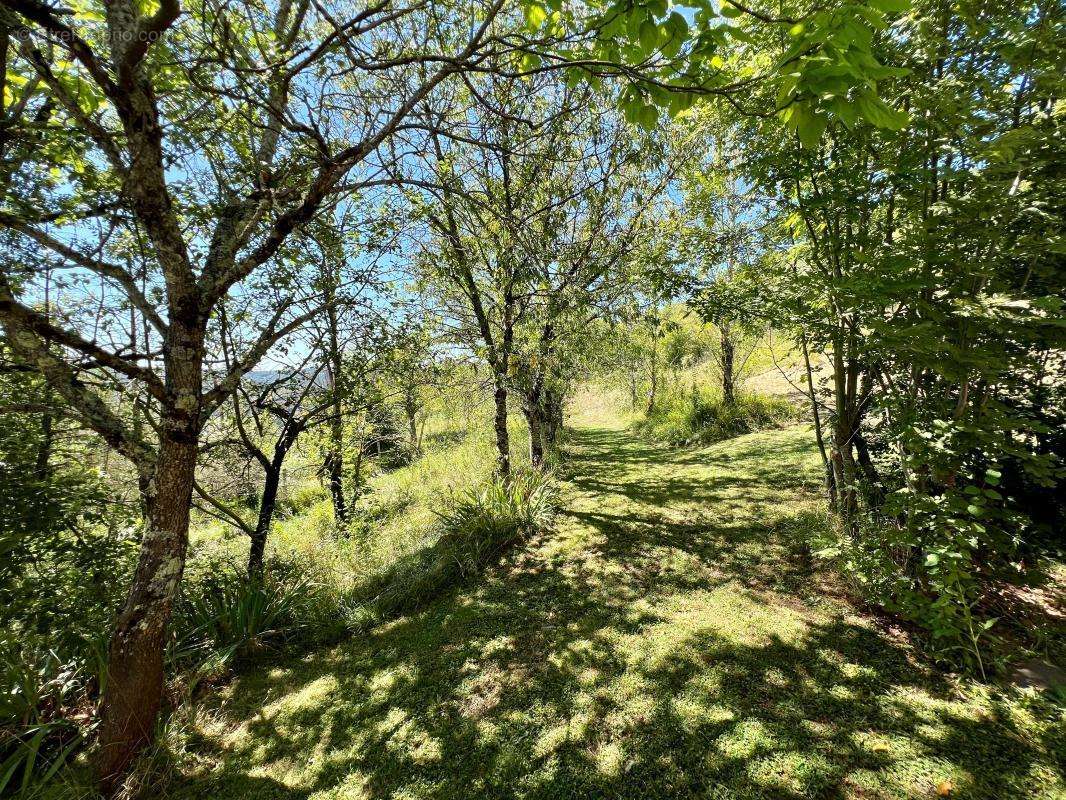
(667, 638)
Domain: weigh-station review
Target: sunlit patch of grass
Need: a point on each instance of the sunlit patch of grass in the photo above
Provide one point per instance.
(662, 641)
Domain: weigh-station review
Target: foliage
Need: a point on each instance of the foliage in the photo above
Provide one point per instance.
(698, 416)
(476, 527)
(920, 271)
(225, 616)
(677, 52)
(39, 691)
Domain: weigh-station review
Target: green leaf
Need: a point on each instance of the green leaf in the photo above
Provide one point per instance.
(875, 111)
(535, 15)
(810, 129)
(648, 117)
(649, 35)
(890, 6)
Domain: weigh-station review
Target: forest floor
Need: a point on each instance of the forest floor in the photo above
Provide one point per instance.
(666, 639)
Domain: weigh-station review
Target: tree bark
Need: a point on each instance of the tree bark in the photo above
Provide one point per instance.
(728, 374)
(503, 444)
(44, 450)
(334, 464)
(135, 664)
(875, 493)
(534, 416)
(844, 474)
(334, 461)
(267, 505)
(138, 642)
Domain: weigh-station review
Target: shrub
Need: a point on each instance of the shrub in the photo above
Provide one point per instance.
(681, 419)
(38, 693)
(225, 615)
(475, 529)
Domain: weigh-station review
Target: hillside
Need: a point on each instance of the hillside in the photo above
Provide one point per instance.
(667, 638)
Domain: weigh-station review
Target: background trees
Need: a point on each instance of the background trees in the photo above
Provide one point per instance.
(532, 207)
(141, 158)
(202, 206)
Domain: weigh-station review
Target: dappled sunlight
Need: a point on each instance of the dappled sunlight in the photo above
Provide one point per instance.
(661, 641)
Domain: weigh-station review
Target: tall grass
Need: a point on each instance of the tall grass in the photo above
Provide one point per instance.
(225, 616)
(699, 417)
(475, 528)
(38, 693)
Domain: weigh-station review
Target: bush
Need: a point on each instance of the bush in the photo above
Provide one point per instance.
(39, 691)
(225, 615)
(475, 530)
(682, 419)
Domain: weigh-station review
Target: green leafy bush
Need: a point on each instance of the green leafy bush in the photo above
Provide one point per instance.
(959, 525)
(698, 417)
(475, 530)
(39, 691)
(224, 615)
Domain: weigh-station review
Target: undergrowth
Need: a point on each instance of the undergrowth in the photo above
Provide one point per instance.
(475, 528)
(697, 416)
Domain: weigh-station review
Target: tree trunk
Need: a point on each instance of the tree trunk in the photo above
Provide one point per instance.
(357, 477)
(334, 461)
(728, 375)
(267, 505)
(134, 689)
(135, 665)
(534, 417)
(410, 409)
(875, 493)
(819, 434)
(44, 450)
(334, 464)
(844, 475)
(503, 444)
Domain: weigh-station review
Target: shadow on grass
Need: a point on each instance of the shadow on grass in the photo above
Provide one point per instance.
(660, 658)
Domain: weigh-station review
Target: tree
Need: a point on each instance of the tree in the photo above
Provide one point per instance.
(916, 270)
(210, 171)
(725, 233)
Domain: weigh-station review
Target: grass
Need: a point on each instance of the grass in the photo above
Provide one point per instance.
(685, 418)
(666, 639)
(477, 527)
(393, 519)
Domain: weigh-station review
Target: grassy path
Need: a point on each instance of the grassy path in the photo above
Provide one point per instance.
(664, 641)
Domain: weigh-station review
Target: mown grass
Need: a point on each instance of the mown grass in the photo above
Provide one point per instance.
(666, 639)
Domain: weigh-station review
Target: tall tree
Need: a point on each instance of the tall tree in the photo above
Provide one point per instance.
(211, 141)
